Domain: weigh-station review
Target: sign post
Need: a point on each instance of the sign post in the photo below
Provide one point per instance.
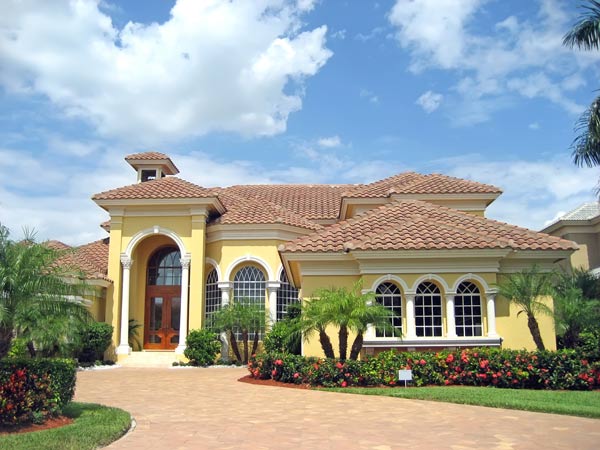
(405, 375)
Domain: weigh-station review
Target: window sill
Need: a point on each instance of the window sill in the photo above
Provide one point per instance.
(479, 341)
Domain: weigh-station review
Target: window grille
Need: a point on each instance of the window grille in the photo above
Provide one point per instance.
(286, 295)
(249, 288)
(213, 298)
(164, 268)
(467, 310)
(389, 295)
(428, 310)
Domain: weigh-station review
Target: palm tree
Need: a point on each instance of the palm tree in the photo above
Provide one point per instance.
(314, 319)
(348, 310)
(526, 290)
(585, 35)
(241, 319)
(37, 295)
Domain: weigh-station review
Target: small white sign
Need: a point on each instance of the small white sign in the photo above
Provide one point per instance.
(405, 375)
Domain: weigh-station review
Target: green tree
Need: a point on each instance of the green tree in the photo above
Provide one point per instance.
(37, 295)
(526, 289)
(576, 309)
(585, 35)
(241, 319)
(350, 311)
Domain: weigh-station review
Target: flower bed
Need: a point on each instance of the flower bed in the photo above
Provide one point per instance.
(33, 389)
(470, 367)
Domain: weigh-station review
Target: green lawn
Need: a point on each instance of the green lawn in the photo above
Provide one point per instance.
(573, 403)
(94, 426)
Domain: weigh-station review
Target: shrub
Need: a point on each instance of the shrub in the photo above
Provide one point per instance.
(283, 337)
(202, 347)
(34, 388)
(95, 339)
(18, 348)
(564, 369)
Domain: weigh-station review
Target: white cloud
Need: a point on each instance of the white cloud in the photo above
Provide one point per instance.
(215, 65)
(430, 101)
(339, 34)
(365, 37)
(329, 142)
(517, 58)
(534, 126)
(370, 96)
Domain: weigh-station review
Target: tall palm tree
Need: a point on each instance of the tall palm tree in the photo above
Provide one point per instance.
(349, 310)
(37, 294)
(313, 319)
(585, 35)
(526, 289)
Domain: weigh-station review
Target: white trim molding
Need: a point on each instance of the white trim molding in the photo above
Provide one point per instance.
(431, 277)
(436, 342)
(215, 264)
(472, 277)
(156, 229)
(393, 278)
(248, 258)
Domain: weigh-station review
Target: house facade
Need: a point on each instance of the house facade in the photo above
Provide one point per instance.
(178, 252)
(581, 225)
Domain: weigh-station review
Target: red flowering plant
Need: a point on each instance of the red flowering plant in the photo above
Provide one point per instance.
(25, 397)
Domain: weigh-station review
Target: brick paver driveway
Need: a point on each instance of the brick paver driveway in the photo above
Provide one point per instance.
(208, 408)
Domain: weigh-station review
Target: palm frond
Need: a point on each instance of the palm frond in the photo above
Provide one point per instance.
(586, 145)
(585, 34)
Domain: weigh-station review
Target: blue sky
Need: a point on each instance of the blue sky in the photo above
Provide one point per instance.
(295, 91)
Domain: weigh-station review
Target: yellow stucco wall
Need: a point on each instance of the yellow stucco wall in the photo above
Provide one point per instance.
(588, 255)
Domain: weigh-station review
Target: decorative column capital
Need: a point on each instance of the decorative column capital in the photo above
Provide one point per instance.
(450, 295)
(126, 261)
(273, 285)
(185, 262)
(225, 285)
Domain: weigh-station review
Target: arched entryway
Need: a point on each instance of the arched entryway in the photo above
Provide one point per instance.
(163, 299)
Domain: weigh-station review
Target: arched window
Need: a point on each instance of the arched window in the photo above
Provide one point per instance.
(467, 310)
(164, 267)
(213, 298)
(249, 288)
(388, 294)
(286, 295)
(428, 310)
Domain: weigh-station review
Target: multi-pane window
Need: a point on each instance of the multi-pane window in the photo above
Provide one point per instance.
(467, 310)
(389, 295)
(286, 295)
(213, 298)
(164, 267)
(249, 288)
(428, 310)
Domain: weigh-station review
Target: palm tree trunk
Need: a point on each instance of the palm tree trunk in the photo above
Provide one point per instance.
(31, 349)
(6, 337)
(245, 342)
(234, 346)
(255, 344)
(534, 328)
(343, 336)
(356, 346)
(326, 344)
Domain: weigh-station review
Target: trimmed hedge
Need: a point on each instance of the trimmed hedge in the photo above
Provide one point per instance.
(201, 347)
(95, 339)
(33, 389)
(564, 369)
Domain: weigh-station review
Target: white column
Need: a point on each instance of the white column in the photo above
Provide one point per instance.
(491, 314)
(272, 287)
(411, 328)
(226, 287)
(124, 348)
(183, 312)
(450, 321)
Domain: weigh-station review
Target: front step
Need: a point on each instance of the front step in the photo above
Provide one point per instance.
(149, 358)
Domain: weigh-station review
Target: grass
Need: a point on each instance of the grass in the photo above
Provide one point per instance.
(572, 403)
(94, 426)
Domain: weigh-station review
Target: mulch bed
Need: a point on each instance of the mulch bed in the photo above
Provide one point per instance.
(248, 379)
(54, 422)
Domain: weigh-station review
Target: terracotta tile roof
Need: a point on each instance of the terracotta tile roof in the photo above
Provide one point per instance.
(415, 183)
(146, 156)
(417, 225)
(312, 201)
(57, 245)
(168, 187)
(91, 259)
(252, 210)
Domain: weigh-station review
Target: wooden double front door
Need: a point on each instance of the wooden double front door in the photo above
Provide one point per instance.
(163, 310)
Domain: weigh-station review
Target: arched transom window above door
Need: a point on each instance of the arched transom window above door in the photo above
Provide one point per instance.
(164, 267)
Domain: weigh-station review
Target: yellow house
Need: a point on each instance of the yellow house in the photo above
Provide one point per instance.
(581, 225)
(178, 252)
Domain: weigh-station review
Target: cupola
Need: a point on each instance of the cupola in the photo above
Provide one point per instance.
(151, 165)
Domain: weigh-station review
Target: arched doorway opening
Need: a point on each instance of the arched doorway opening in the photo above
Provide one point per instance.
(163, 299)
